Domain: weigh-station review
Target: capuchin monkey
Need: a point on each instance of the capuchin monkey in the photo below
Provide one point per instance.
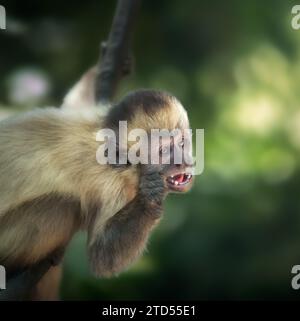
(52, 186)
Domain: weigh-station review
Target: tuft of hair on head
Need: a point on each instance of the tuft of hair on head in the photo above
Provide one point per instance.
(147, 108)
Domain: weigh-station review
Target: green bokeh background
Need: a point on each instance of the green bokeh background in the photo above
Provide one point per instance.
(235, 65)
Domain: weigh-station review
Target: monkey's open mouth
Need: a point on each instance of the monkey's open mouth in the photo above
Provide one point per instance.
(179, 182)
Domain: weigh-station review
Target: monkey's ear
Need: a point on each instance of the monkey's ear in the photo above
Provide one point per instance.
(82, 94)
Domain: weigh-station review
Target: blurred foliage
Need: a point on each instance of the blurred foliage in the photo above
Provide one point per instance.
(235, 65)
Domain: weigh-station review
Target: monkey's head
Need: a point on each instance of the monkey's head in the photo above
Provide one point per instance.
(168, 144)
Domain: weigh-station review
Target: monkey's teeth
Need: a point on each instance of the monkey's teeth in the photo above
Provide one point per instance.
(183, 179)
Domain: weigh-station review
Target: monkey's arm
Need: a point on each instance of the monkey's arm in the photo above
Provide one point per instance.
(124, 236)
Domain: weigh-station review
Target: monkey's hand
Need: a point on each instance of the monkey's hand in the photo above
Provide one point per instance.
(152, 189)
(125, 234)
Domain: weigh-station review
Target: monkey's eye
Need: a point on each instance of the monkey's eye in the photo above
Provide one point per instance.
(164, 150)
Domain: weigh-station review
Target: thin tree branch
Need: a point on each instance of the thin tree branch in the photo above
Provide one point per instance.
(116, 50)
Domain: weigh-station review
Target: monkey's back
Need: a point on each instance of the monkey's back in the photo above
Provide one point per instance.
(39, 202)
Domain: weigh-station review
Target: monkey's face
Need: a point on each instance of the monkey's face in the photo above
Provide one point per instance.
(176, 163)
(153, 110)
